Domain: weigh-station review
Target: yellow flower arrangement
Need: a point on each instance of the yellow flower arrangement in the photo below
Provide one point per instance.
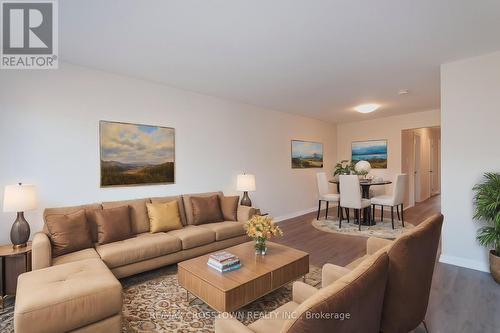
(262, 228)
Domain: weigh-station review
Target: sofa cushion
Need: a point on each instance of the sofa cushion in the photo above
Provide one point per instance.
(226, 229)
(66, 297)
(357, 293)
(275, 320)
(186, 199)
(89, 209)
(164, 216)
(206, 210)
(76, 256)
(141, 247)
(68, 233)
(355, 263)
(113, 224)
(138, 213)
(180, 202)
(193, 236)
(229, 207)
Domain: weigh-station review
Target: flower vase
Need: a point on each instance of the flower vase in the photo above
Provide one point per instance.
(260, 247)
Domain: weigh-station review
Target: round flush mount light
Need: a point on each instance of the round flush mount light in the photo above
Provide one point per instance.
(367, 108)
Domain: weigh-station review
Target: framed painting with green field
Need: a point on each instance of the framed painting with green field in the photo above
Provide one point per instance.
(307, 154)
(373, 151)
(134, 154)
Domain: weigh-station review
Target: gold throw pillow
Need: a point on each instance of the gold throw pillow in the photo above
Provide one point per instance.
(164, 216)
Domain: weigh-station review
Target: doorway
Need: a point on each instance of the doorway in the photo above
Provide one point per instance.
(417, 151)
(421, 160)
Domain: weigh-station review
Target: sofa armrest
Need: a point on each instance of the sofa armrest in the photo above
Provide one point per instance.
(245, 213)
(224, 323)
(331, 273)
(374, 244)
(302, 291)
(41, 251)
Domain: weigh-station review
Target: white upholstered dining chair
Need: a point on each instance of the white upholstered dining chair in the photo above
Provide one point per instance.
(393, 200)
(324, 193)
(350, 197)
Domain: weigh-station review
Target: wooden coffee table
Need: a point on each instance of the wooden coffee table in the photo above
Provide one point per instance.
(258, 275)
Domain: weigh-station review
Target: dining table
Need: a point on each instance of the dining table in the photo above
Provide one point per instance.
(365, 194)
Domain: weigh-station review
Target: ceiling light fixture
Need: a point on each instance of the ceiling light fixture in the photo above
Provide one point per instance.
(367, 108)
(403, 92)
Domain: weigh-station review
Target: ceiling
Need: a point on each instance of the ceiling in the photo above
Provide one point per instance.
(317, 58)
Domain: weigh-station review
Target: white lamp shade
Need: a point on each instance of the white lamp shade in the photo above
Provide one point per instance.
(19, 198)
(245, 183)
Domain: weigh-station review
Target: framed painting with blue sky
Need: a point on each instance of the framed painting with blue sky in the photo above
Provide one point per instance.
(134, 154)
(307, 154)
(373, 151)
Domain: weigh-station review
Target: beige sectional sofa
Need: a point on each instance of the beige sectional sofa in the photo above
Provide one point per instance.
(142, 252)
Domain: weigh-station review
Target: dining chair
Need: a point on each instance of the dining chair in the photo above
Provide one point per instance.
(324, 193)
(393, 200)
(350, 197)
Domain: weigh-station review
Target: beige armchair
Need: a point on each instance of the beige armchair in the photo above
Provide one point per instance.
(412, 259)
(353, 303)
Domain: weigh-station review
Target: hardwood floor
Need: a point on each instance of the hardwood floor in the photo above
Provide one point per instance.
(340, 249)
(461, 300)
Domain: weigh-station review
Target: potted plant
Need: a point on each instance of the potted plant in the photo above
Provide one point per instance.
(487, 210)
(344, 167)
(262, 228)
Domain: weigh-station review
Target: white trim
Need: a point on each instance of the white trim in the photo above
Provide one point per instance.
(407, 207)
(467, 263)
(295, 214)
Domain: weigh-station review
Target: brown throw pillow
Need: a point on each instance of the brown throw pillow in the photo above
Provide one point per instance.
(113, 224)
(229, 207)
(68, 232)
(206, 209)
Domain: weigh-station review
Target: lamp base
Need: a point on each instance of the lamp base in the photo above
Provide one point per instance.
(20, 231)
(245, 201)
(19, 246)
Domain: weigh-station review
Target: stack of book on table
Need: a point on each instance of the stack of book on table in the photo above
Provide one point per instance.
(224, 261)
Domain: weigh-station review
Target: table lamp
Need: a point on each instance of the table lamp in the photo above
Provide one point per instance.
(245, 183)
(19, 198)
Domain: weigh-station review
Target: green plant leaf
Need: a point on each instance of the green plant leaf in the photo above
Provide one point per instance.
(487, 210)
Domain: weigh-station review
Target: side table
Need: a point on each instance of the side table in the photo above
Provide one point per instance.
(14, 262)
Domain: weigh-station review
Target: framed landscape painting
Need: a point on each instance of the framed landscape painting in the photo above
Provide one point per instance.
(307, 154)
(133, 154)
(374, 151)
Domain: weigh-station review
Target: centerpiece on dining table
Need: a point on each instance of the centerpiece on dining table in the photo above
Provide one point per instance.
(260, 229)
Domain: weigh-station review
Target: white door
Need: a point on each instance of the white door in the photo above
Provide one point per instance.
(432, 166)
(417, 174)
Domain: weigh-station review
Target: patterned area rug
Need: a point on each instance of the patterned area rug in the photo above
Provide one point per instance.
(154, 302)
(7, 315)
(380, 230)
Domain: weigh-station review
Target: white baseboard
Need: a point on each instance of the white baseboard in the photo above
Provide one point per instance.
(295, 214)
(467, 263)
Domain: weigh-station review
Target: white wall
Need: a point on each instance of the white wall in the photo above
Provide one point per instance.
(470, 102)
(383, 128)
(49, 137)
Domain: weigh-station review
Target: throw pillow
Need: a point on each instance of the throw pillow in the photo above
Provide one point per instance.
(206, 209)
(229, 207)
(68, 232)
(113, 224)
(164, 216)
